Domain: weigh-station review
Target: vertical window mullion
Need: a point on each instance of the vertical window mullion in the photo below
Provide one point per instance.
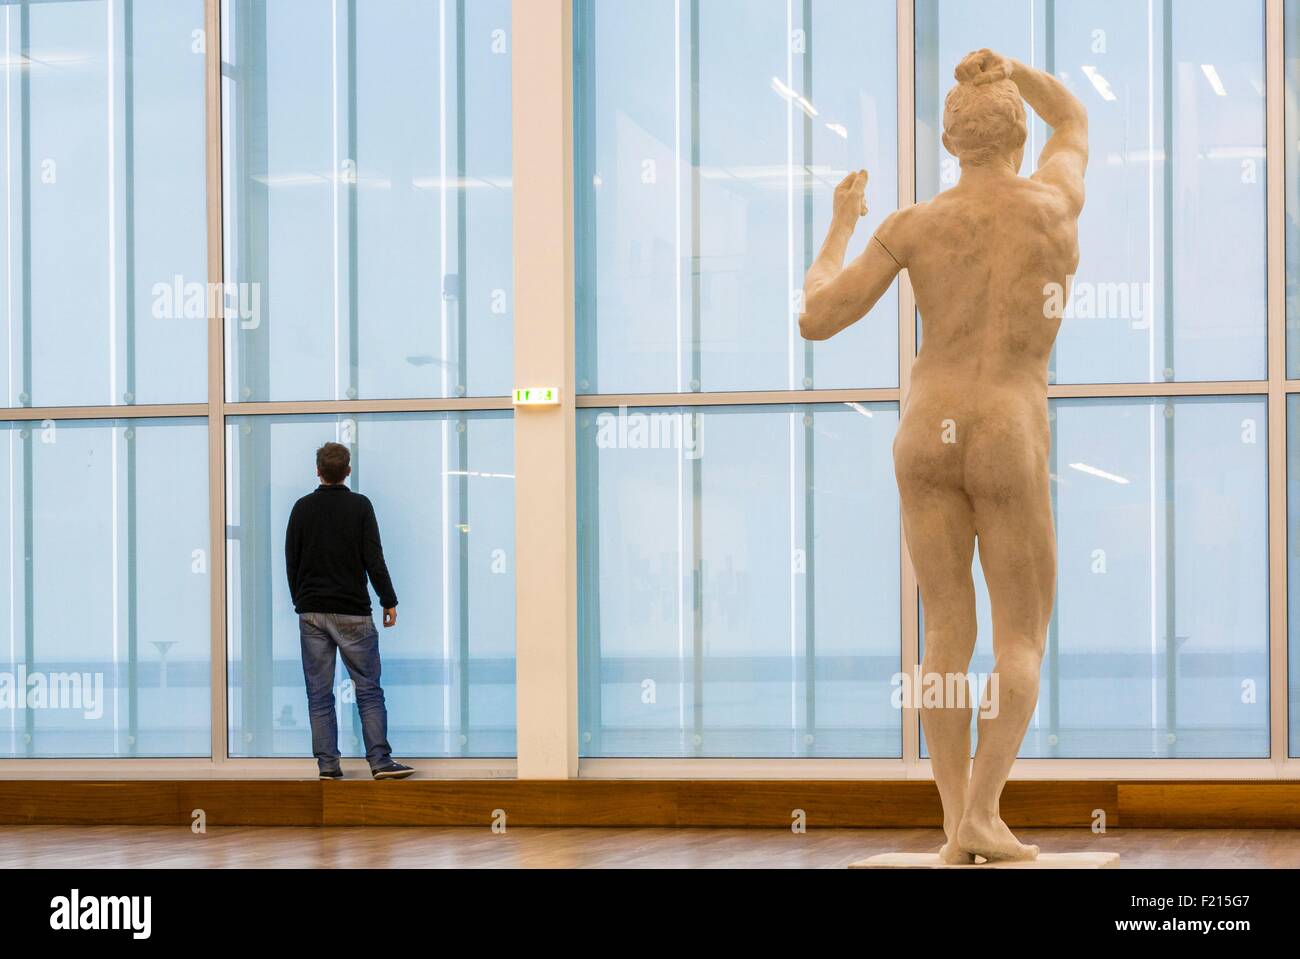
(909, 654)
(216, 380)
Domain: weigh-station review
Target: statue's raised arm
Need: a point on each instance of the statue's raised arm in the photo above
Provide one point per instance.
(836, 296)
(1064, 157)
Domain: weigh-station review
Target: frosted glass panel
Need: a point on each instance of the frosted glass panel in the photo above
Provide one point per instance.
(709, 138)
(105, 578)
(738, 581)
(442, 485)
(368, 199)
(103, 172)
(1171, 277)
(1158, 646)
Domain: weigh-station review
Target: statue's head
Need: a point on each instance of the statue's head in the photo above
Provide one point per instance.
(984, 115)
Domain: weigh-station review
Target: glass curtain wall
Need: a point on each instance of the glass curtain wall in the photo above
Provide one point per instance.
(1158, 644)
(707, 145)
(741, 585)
(367, 190)
(738, 564)
(104, 535)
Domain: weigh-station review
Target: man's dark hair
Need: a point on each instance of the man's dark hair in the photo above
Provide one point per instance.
(332, 462)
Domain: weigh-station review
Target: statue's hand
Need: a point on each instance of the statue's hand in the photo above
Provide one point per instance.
(983, 66)
(851, 199)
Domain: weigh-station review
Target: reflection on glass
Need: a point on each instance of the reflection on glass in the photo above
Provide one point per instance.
(1158, 646)
(710, 135)
(738, 581)
(368, 199)
(103, 212)
(1171, 278)
(443, 489)
(107, 645)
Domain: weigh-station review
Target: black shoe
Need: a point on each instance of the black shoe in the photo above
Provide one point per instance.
(392, 771)
(331, 774)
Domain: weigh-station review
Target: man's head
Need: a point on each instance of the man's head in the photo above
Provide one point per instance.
(984, 115)
(333, 463)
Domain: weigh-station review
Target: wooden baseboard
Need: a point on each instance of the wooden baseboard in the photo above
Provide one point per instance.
(719, 803)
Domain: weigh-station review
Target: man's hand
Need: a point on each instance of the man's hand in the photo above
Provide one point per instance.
(983, 66)
(390, 617)
(850, 200)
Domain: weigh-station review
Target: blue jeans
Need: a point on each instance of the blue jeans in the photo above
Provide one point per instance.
(356, 638)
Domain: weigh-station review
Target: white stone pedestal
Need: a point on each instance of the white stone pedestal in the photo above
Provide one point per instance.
(1045, 860)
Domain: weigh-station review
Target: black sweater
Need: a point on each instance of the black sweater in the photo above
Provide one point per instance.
(331, 544)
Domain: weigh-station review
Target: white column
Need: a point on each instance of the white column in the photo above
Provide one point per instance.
(545, 510)
(1274, 83)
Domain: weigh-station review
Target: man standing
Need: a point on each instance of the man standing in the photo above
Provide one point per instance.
(331, 546)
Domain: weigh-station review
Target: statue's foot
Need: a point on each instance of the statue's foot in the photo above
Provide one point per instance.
(953, 855)
(993, 841)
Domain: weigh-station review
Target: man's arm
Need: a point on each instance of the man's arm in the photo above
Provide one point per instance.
(293, 551)
(1065, 155)
(372, 553)
(836, 296)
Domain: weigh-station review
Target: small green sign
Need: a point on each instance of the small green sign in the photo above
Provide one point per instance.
(537, 396)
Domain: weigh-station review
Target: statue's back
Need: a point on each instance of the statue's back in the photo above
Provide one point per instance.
(990, 261)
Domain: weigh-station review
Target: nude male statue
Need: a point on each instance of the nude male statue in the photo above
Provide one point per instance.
(971, 451)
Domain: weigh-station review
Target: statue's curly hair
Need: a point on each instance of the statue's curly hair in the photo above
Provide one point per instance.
(984, 118)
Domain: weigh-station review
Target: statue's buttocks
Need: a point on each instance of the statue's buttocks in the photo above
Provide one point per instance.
(983, 259)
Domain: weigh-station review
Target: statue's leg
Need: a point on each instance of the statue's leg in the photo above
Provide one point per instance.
(940, 530)
(1017, 545)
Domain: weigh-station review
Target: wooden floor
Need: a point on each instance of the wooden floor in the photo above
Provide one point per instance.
(573, 847)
